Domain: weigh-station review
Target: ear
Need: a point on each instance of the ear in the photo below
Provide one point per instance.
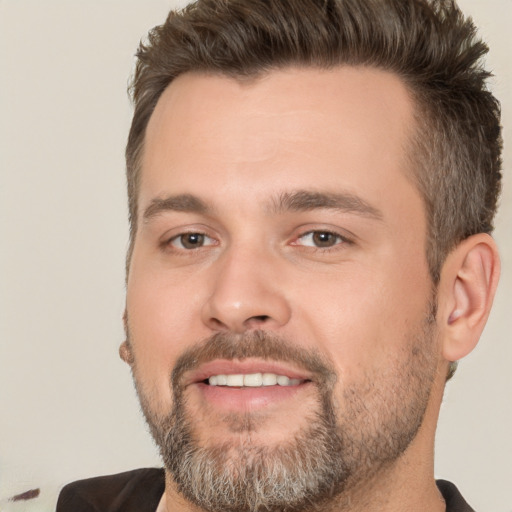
(125, 350)
(125, 353)
(466, 290)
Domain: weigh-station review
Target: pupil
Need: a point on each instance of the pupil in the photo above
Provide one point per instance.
(192, 240)
(323, 239)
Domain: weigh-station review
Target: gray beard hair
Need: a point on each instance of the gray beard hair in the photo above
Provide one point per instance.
(336, 450)
(243, 477)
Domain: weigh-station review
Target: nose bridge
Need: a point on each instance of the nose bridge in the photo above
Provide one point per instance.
(245, 293)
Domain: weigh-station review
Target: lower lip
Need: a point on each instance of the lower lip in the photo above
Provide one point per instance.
(236, 399)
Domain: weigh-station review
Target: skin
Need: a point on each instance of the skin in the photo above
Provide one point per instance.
(237, 147)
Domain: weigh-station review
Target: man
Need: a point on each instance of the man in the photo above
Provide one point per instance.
(311, 188)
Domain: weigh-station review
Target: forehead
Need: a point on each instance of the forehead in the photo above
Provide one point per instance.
(346, 127)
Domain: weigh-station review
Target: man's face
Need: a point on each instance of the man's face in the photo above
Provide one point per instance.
(278, 286)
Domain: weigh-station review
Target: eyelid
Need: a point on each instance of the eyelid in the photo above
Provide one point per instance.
(178, 237)
(344, 239)
(174, 234)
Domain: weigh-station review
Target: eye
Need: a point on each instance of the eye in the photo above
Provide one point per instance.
(320, 239)
(190, 241)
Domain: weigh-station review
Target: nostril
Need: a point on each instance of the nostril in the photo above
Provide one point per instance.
(257, 319)
(217, 324)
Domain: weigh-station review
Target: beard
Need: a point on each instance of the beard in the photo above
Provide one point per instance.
(344, 442)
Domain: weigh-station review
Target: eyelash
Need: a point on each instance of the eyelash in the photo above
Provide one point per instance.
(168, 243)
(341, 240)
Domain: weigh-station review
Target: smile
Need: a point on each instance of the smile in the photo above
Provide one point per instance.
(249, 384)
(252, 380)
(250, 372)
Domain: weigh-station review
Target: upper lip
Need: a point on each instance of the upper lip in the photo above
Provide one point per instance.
(246, 366)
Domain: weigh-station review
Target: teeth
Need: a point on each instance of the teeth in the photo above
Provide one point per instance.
(269, 379)
(253, 380)
(283, 380)
(235, 380)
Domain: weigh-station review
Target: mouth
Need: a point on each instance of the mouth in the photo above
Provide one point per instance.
(252, 380)
(248, 384)
(252, 373)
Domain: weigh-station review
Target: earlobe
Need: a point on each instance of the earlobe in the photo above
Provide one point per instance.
(468, 284)
(125, 350)
(125, 353)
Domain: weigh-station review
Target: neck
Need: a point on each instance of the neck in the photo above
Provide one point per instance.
(408, 483)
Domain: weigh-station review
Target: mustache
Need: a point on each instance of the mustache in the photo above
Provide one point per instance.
(253, 344)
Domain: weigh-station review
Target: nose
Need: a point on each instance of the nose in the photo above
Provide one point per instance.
(246, 294)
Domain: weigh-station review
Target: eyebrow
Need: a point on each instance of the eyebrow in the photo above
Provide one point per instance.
(305, 200)
(297, 201)
(176, 203)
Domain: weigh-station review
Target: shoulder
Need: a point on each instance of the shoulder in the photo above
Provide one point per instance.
(139, 490)
(453, 498)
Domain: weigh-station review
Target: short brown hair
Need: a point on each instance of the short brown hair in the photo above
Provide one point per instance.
(456, 147)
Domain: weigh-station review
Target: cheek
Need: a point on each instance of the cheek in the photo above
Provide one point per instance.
(160, 306)
(363, 317)
(160, 328)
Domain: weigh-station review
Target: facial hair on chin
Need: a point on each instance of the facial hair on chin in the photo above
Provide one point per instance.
(338, 446)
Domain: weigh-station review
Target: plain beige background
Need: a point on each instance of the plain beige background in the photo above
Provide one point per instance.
(67, 405)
